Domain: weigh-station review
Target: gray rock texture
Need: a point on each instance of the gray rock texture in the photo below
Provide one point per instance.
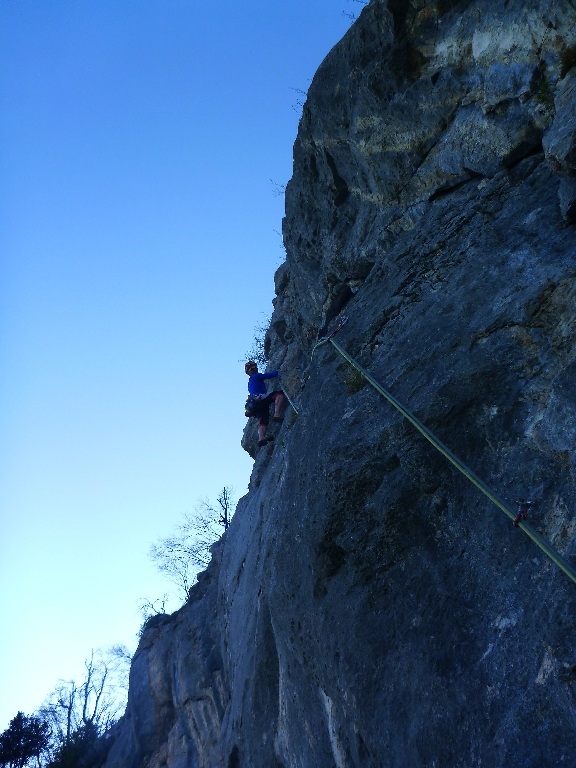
(560, 140)
(567, 199)
(367, 606)
(177, 695)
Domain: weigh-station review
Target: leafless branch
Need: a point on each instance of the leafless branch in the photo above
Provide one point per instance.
(96, 702)
(257, 352)
(278, 189)
(181, 556)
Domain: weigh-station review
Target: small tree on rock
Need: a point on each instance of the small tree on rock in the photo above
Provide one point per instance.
(224, 509)
(181, 556)
(257, 351)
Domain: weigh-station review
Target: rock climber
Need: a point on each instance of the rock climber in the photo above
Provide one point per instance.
(263, 399)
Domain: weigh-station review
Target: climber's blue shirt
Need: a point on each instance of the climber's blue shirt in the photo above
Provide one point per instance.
(256, 384)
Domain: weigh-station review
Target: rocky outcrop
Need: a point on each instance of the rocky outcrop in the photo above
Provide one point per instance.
(367, 607)
(177, 695)
(560, 142)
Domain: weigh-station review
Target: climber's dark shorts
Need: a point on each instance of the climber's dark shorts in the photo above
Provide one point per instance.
(263, 408)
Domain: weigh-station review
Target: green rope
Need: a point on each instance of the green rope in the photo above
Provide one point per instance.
(547, 548)
(288, 398)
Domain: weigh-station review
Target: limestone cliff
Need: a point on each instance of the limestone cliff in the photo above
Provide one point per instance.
(368, 607)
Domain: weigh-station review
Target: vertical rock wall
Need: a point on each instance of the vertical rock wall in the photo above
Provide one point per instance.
(367, 606)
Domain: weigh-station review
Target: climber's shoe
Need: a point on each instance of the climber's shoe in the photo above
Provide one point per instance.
(278, 418)
(270, 439)
(262, 443)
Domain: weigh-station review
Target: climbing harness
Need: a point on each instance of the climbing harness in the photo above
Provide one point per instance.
(519, 518)
(251, 404)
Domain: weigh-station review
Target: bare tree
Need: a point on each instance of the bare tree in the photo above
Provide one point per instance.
(278, 189)
(96, 702)
(224, 501)
(298, 106)
(181, 556)
(148, 609)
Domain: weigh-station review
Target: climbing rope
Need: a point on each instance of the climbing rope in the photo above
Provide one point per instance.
(288, 398)
(519, 519)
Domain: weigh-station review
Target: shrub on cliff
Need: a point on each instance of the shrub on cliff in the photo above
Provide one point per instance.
(257, 351)
(79, 750)
(26, 738)
(181, 556)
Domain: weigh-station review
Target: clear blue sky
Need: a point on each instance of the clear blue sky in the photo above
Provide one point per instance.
(137, 251)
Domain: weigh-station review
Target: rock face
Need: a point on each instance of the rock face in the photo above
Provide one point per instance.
(367, 606)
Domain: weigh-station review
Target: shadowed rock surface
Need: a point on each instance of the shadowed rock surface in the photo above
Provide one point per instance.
(367, 606)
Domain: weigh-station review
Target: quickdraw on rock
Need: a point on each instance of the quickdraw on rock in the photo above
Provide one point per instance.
(289, 400)
(522, 511)
(519, 518)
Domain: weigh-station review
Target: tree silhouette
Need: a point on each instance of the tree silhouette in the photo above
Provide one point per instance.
(95, 703)
(24, 739)
(187, 551)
